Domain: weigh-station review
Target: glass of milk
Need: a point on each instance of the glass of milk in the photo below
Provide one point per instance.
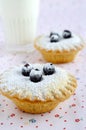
(19, 20)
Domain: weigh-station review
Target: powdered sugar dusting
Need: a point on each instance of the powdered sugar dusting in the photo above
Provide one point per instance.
(35, 72)
(49, 65)
(29, 67)
(64, 44)
(16, 83)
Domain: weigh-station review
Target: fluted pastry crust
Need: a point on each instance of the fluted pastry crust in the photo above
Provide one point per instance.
(44, 97)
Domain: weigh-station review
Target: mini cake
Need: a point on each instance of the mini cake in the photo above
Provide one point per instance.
(37, 88)
(58, 48)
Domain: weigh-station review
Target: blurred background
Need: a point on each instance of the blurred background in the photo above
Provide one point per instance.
(58, 15)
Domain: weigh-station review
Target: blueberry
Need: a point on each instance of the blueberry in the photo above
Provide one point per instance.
(53, 33)
(66, 34)
(26, 69)
(35, 75)
(55, 38)
(49, 69)
(26, 65)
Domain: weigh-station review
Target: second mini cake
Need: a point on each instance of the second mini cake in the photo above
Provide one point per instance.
(58, 48)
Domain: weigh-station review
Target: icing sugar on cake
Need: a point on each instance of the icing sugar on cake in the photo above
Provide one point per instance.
(65, 44)
(14, 82)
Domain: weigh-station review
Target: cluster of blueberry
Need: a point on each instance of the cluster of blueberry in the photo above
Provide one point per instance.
(36, 75)
(55, 37)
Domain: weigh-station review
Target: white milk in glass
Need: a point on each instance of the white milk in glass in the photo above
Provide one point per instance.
(19, 20)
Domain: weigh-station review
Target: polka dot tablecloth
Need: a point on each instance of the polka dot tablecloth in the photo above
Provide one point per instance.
(68, 115)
